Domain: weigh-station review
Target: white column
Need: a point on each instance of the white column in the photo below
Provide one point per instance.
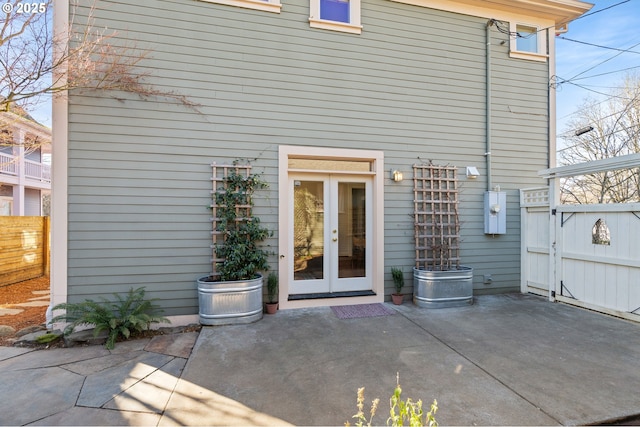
(18, 190)
(59, 170)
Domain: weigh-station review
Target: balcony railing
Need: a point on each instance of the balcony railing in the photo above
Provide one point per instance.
(37, 171)
(9, 165)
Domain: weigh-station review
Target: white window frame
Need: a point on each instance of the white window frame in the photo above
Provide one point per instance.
(353, 27)
(541, 41)
(273, 6)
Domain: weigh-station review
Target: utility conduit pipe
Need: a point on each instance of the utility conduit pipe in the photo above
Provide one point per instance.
(487, 153)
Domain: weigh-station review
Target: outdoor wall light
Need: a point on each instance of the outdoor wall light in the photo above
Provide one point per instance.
(472, 172)
(396, 175)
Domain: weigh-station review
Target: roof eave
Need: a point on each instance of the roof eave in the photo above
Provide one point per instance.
(558, 11)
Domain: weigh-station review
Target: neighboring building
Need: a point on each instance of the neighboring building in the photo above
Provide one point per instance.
(25, 171)
(325, 97)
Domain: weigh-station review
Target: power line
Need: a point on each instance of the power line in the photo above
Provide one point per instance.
(584, 16)
(597, 65)
(608, 96)
(585, 107)
(572, 132)
(608, 72)
(604, 87)
(591, 105)
(601, 10)
(528, 35)
(637, 128)
(598, 92)
(606, 60)
(597, 45)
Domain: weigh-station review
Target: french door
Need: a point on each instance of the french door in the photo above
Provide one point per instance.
(330, 229)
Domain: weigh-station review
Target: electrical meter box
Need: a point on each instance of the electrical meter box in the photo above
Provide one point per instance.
(495, 212)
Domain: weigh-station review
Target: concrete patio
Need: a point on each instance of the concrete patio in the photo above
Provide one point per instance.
(507, 360)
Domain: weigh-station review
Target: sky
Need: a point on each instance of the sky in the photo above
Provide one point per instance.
(615, 24)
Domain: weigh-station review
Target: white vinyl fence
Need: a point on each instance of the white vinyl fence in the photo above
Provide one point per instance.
(586, 255)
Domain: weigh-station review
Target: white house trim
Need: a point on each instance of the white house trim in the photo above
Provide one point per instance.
(335, 26)
(59, 167)
(265, 6)
(377, 161)
(553, 11)
(612, 163)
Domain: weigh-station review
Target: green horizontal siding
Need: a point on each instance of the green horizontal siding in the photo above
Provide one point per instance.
(411, 85)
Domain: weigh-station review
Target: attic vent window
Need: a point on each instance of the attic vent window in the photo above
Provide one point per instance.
(600, 233)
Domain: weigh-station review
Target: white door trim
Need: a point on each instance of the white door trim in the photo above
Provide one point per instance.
(376, 159)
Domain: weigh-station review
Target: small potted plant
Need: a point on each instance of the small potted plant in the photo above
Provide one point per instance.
(398, 282)
(272, 293)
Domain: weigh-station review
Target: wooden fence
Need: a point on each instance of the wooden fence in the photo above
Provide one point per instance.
(24, 248)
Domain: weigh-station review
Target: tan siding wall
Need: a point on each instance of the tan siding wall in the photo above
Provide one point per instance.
(412, 85)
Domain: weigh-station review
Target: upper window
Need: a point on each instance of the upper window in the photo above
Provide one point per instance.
(266, 5)
(337, 15)
(526, 39)
(528, 42)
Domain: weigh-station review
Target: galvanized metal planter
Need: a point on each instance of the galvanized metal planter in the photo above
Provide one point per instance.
(230, 303)
(440, 289)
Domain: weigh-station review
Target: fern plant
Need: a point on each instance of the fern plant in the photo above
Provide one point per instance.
(122, 317)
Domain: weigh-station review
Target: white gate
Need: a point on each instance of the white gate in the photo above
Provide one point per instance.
(534, 203)
(595, 249)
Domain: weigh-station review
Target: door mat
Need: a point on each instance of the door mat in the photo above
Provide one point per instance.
(361, 310)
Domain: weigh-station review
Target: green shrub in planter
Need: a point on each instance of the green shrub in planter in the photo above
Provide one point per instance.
(243, 258)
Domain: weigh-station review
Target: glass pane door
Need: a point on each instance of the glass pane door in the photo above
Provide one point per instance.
(330, 233)
(351, 233)
(352, 230)
(308, 230)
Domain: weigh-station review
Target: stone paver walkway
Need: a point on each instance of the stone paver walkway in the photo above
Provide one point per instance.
(129, 385)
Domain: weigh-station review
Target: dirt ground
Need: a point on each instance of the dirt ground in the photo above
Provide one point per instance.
(19, 293)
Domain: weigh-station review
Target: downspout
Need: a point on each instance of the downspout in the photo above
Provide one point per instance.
(551, 48)
(487, 153)
(554, 182)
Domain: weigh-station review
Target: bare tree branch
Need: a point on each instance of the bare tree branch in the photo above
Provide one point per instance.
(616, 132)
(90, 59)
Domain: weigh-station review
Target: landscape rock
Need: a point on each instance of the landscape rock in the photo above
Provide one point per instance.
(29, 330)
(10, 311)
(6, 330)
(32, 338)
(86, 337)
(192, 327)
